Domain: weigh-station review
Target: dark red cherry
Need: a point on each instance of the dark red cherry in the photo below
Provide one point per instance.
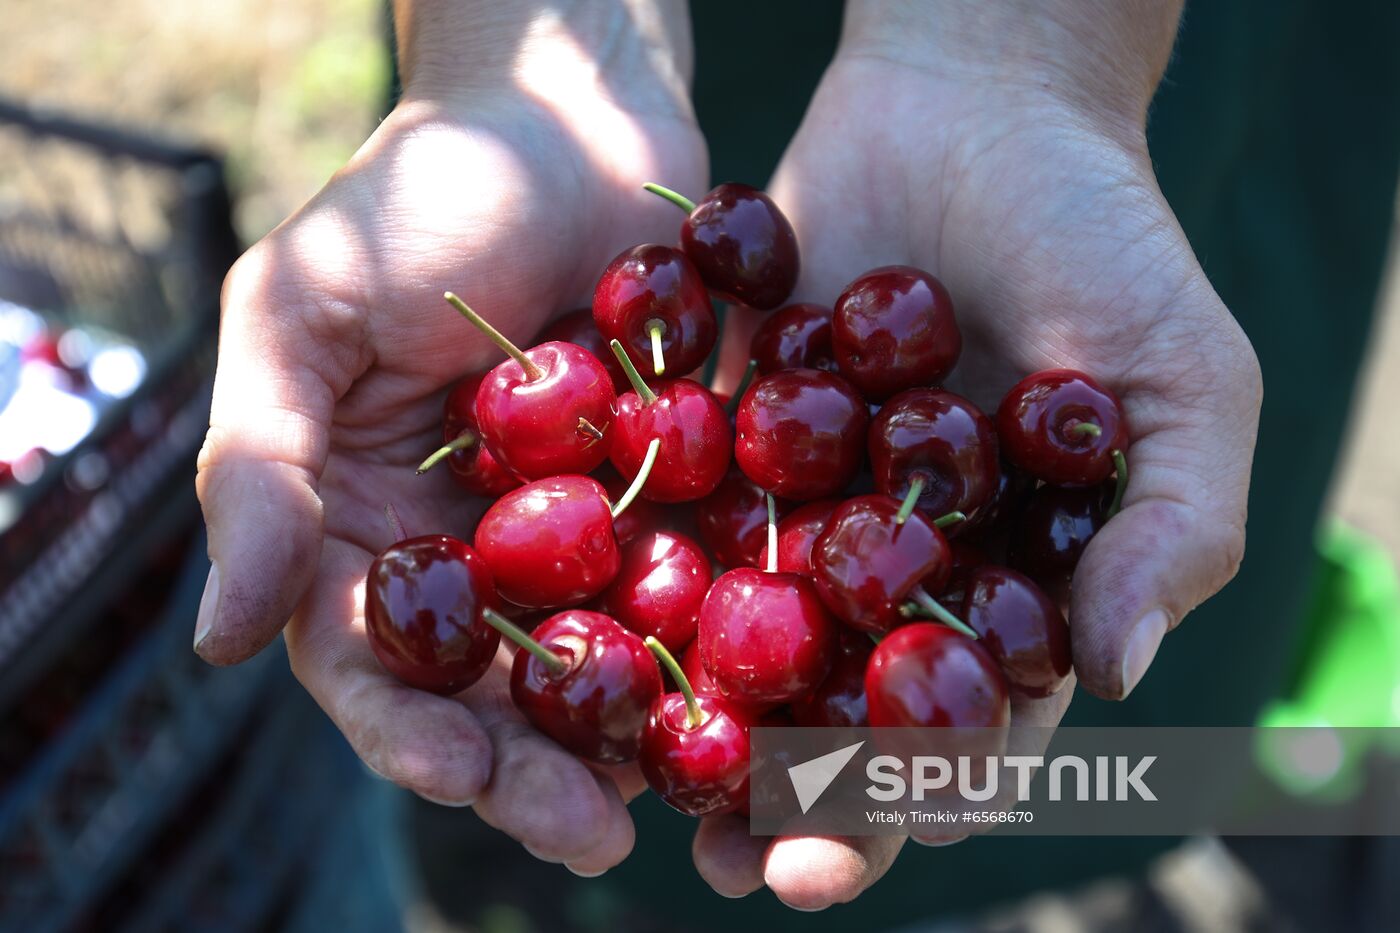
(995, 516)
(1052, 531)
(867, 565)
(577, 327)
(796, 535)
(840, 700)
(765, 637)
(656, 289)
(800, 433)
(473, 466)
(695, 440)
(733, 520)
(930, 675)
(893, 329)
(795, 337)
(965, 557)
(1020, 627)
(659, 589)
(550, 542)
(641, 516)
(1062, 427)
(700, 770)
(423, 603)
(595, 701)
(939, 440)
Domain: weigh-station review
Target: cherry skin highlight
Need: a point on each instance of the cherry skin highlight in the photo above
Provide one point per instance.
(930, 675)
(743, 246)
(1021, 629)
(701, 770)
(1062, 427)
(423, 602)
(659, 284)
(596, 706)
(893, 329)
(695, 440)
(941, 439)
(800, 433)
(474, 468)
(796, 535)
(660, 587)
(795, 337)
(577, 328)
(550, 542)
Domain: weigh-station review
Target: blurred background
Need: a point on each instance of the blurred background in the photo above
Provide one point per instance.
(142, 144)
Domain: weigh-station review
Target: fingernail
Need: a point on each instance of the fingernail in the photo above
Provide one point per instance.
(208, 607)
(1142, 647)
(584, 874)
(440, 802)
(541, 856)
(805, 910)
(935, 843)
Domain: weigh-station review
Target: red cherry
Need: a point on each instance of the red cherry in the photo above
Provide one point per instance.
(640, 517)
(742, 245)
(893, 329)
(801, 433)
(1005, 503)
(659, 589)
(795, 337)
(651, 299)
(695, 439)
(733, 520)
(473, 466)
(593, 699)
(1052, 532)
(965, 558)
(423, 603)
(765, 637)
(1020, 627)
(550, 542)
(840, 700)
(868, 566)
(577, 328)
(1063, 427)
(797, 533)
(930, 675)
(694, 669)
(939, 440)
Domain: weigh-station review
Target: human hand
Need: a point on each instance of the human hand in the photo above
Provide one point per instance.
(509, 173)
(1004, 150)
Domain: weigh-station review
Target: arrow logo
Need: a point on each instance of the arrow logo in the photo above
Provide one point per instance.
(811, 778)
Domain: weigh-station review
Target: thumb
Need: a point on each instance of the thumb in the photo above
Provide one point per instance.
(261, 460)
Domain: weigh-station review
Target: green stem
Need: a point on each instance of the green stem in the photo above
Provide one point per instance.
(515, 633)
(635, 489)
(391, 515)
(911, 500)
(731, 406)
(532, 372)
(772, 533)
(1120, 466)
(952, 518)
(931, 609)
(693, 716)
(656, 329)
(460, 442)
(638, 385)
(680, 200)
(1087, 428)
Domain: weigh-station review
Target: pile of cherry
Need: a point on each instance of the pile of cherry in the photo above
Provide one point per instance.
(869, 520)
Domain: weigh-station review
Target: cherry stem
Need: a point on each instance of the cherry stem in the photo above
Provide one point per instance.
(693, 716)
(1087, 429)
(515, 633)
(638, 384)
(391, 515)
(641, 480)
(952, 518)
(772, 533)
(460, 442)
(532, 372)
(931, 608)
(656, 328)
(731, 406)
(911, 500)
(1120, 466)
(676, 198)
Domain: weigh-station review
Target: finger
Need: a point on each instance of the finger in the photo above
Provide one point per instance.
(428, 744)
(617, 843)
(628, 779)
(283, 360)
(815, 872)
(1180, 535)
(727, 856)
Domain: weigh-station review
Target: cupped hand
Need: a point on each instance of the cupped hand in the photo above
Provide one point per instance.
(336, 351)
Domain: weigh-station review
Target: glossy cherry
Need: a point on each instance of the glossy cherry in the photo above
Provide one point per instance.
(868, 566)
(1062, 427)
(550, 542)
(964, 558)
(797, 533)
(733, 520)
(1006, 502)
(660, 587)
(578, 328)
(741, 243)
(893, 329)
(640, 517)
(930, 675)
(472, 465)
(795, 337)
(1052, 531)
(1020, 628)
(594, 696)
(765, 637)
(651, 299)
(800, 433)
(840, 700)
(694, 670)
(939, 440)
(423, 611)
